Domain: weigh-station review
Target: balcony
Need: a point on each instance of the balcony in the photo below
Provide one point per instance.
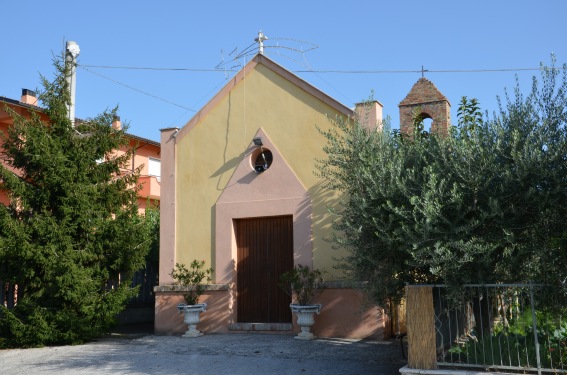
(150, 187)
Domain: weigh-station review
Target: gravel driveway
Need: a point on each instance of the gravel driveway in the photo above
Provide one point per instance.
(234, 354)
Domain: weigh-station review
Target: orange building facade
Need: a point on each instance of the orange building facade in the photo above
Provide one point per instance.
(146, 152)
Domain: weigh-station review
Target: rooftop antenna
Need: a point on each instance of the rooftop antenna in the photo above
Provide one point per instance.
(72, 50)
(239, 53)
(260, 39)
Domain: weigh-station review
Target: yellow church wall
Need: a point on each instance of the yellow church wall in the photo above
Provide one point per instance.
(215, 145)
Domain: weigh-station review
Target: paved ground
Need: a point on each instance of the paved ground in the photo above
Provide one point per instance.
(234, 354)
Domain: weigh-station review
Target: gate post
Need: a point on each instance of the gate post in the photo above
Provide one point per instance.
(420, 325)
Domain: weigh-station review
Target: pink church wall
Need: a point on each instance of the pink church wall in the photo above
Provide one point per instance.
(341, 315)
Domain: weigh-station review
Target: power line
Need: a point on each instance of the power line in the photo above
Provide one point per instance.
(150, 68)
(335, 71)
(246, 52)
(135, 89)
(421, 70)
(202, 98)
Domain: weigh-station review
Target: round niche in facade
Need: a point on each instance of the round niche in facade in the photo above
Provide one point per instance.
(261, 159)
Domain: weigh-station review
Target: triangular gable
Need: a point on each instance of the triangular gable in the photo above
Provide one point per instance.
(277, 183)
(265, 61)
(423, 91)
(275, 192)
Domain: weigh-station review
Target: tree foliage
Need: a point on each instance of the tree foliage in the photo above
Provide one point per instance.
(71, 238)
(192, 278)
(484, 204)
(301, 283)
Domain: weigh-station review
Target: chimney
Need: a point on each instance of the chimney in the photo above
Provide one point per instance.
(116, 124)
(29, 97)
(369, 114)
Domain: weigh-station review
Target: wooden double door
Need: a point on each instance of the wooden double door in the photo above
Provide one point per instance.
(264, 252)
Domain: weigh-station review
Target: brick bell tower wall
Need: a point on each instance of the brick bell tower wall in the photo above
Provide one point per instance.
(425, 100)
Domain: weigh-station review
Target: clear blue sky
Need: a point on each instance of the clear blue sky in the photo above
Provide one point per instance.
(351, 36)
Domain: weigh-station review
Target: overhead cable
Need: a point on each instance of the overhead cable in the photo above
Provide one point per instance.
(138, 90)
(335, 71)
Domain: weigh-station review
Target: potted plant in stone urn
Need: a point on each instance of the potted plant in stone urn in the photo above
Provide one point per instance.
(191, 279)
(302, 284)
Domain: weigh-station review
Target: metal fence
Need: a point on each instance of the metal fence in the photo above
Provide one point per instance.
(146, 278)
(517, 327)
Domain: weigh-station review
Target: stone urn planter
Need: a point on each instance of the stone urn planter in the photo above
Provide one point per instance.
(302, 284)
(192, 317)
(305, 319)
(190, 279)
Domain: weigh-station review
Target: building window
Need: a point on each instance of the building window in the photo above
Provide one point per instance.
(154, 168)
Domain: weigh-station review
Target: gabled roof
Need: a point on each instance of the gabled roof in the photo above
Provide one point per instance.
(276, 68)
(423, 91)
(141, 139)
(15, 102)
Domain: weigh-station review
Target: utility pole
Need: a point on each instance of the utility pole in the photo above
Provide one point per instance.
(71, 53)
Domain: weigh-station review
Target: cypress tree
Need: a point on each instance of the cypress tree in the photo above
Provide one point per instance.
(71, 237)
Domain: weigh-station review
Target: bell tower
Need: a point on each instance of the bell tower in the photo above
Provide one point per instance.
(426, 101)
